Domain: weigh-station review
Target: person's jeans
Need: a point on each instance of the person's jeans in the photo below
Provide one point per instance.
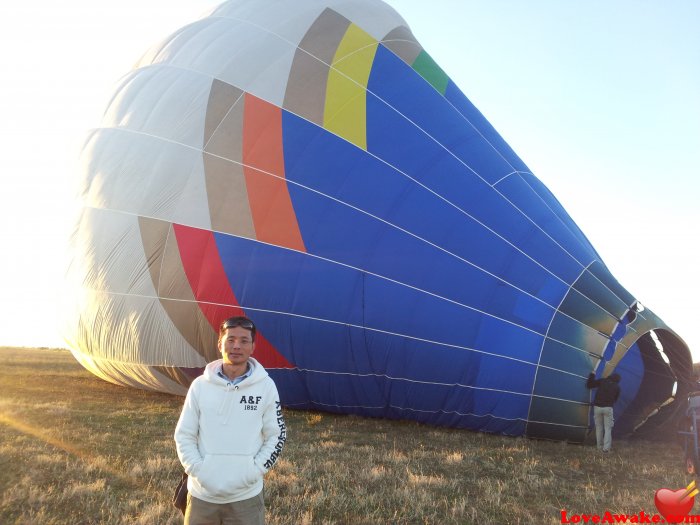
(603, 417)
(246, 512)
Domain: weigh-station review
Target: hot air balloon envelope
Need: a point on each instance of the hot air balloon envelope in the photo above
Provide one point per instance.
(308, 164)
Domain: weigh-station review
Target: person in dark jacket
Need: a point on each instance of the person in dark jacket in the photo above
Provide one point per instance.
(608, 390)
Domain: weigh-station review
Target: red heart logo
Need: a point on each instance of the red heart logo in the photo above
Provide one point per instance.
(673, 505)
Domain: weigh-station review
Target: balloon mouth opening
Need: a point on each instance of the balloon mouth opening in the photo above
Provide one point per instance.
(666, 380)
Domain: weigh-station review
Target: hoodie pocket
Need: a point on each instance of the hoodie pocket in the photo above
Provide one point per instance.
(222, 476)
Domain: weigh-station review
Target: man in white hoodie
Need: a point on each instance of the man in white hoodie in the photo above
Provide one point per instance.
(230, 433)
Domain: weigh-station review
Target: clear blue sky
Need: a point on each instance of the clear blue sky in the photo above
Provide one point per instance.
(601, 99)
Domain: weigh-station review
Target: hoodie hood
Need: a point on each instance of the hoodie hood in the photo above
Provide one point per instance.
(210, 373)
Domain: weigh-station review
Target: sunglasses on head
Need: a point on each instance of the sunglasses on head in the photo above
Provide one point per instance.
(233, 322)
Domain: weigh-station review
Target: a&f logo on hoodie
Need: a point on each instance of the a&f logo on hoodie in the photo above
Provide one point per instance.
(250, 402)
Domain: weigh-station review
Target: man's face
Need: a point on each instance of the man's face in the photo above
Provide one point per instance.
(236, 346)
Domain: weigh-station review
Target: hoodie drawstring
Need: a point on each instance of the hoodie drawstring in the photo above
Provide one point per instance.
(226, 405)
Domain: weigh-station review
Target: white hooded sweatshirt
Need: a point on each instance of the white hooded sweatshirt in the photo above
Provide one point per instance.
(229, 436)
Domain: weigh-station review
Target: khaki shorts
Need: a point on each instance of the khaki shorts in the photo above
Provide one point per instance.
(246, 512)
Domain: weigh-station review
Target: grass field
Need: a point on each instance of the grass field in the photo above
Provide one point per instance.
(77, 450)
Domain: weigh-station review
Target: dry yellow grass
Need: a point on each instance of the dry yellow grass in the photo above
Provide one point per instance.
(77, 450)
